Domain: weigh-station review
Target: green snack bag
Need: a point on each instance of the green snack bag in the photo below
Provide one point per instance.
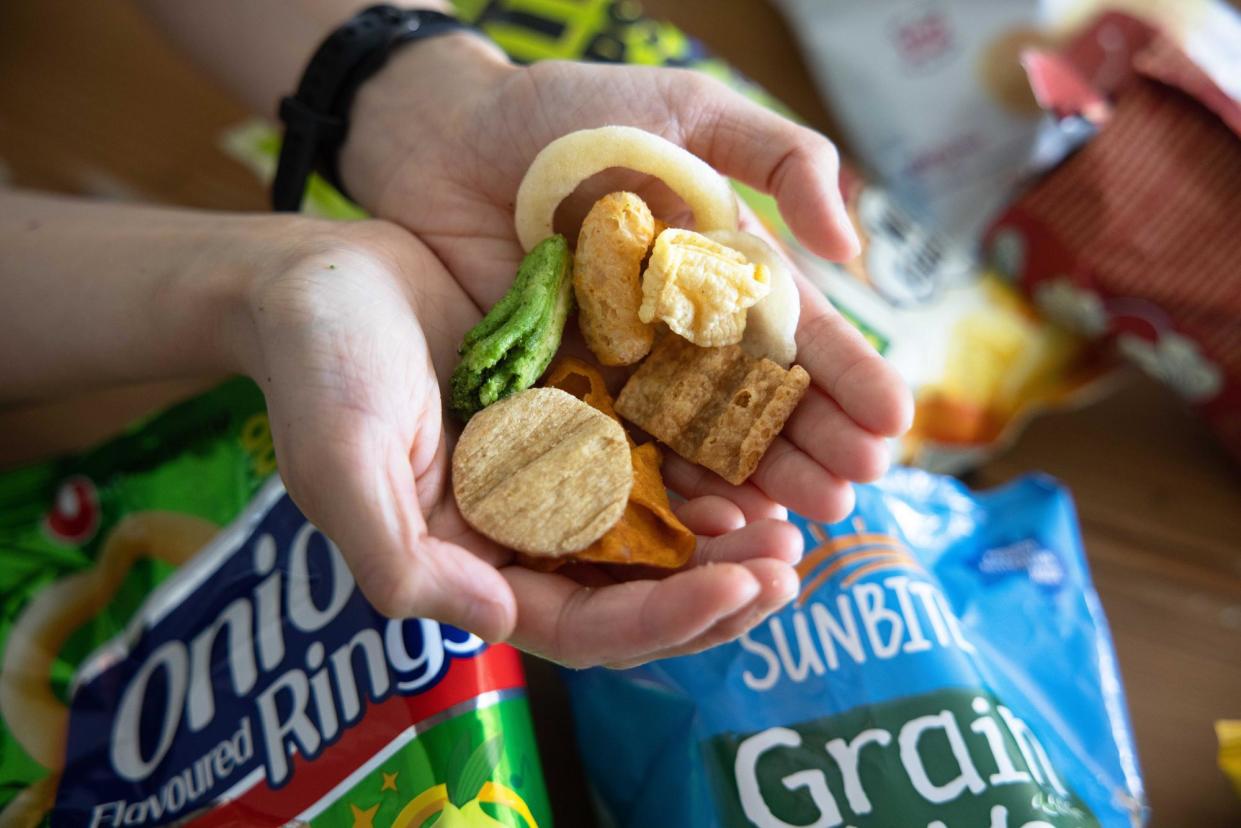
(180, 645)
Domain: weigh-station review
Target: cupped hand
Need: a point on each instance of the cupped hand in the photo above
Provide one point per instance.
(442, 137)
(351, 335)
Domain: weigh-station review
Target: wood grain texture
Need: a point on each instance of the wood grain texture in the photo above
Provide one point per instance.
(92, 101)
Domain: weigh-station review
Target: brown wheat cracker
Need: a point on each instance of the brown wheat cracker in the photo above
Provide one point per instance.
(716, 407)
(607, 278)
(542, 472)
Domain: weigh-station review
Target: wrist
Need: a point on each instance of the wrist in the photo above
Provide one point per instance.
(280, 293)
(218, 298)
(416, 99)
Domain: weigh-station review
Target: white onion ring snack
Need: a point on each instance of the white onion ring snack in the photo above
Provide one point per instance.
(771, 324)
(33, 714)
(571, 159)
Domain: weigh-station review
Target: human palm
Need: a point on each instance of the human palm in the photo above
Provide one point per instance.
(357, 335)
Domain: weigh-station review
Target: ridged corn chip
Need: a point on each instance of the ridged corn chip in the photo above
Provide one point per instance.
(716, 407)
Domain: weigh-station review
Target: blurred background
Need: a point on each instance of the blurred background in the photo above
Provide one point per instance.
(94, 102)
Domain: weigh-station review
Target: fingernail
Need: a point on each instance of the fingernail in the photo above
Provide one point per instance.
(488, 619)
(751, 591)
(851, 235)
(800, 541)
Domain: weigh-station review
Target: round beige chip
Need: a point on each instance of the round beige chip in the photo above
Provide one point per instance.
(542, 472)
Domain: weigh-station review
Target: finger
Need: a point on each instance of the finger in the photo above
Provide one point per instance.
(767, 538)
(749, 142)
(710, 515)
(776, 540)
(693, 481)
(780, 585)
(890, 406)
(819, 426)
(843, 364)
(579, 627)
(830, 436)
(361, 492)
(787, 474)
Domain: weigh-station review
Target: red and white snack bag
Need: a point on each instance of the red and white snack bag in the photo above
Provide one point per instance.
(1137, 236)
(931, 98)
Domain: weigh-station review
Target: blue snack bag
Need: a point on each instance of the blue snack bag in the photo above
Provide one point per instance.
(947, 664)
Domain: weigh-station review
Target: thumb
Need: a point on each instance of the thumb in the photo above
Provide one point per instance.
(362, 493)
(770, 153)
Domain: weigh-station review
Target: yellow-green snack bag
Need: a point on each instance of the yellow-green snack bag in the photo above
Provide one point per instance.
(1229, 734)
(179, 645)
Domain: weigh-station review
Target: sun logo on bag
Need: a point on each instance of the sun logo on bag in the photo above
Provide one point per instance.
(459, 802)
(852, 556)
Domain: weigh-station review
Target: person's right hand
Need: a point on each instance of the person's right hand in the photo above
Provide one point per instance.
(351, 331)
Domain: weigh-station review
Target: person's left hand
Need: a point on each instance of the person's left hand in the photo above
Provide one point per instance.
(442, 137)
(351, 330)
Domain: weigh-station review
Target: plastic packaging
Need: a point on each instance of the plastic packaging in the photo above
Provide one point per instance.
(181, 646)
(1133, 239)
(946, 664)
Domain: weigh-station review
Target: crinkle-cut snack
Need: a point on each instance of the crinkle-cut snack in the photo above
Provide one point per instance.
(607, 278)
(542, 472)
(771, 325)
(701, 288)
(571, 159)
(716, 407)
(649, 533)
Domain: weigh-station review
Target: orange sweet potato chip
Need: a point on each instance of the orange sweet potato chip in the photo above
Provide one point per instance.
(648, 532)
(582, 380)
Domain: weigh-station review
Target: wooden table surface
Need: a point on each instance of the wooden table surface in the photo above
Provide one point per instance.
(91, 101)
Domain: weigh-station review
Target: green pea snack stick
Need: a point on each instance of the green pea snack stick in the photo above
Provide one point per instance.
(515, 342)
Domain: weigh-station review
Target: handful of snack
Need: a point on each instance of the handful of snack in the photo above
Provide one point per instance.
(550, 472)
(980, 360)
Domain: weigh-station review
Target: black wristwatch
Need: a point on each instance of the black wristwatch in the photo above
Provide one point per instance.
(316, 119)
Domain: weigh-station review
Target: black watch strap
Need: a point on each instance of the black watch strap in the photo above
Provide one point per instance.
(316, 118)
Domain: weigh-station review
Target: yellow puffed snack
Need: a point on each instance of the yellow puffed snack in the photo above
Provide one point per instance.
(1229, 734)
(571, 159)
(771, 325)
(700, 288)
(607, 278)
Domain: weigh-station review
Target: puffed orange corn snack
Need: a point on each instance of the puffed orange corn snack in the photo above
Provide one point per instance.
(607, 278)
